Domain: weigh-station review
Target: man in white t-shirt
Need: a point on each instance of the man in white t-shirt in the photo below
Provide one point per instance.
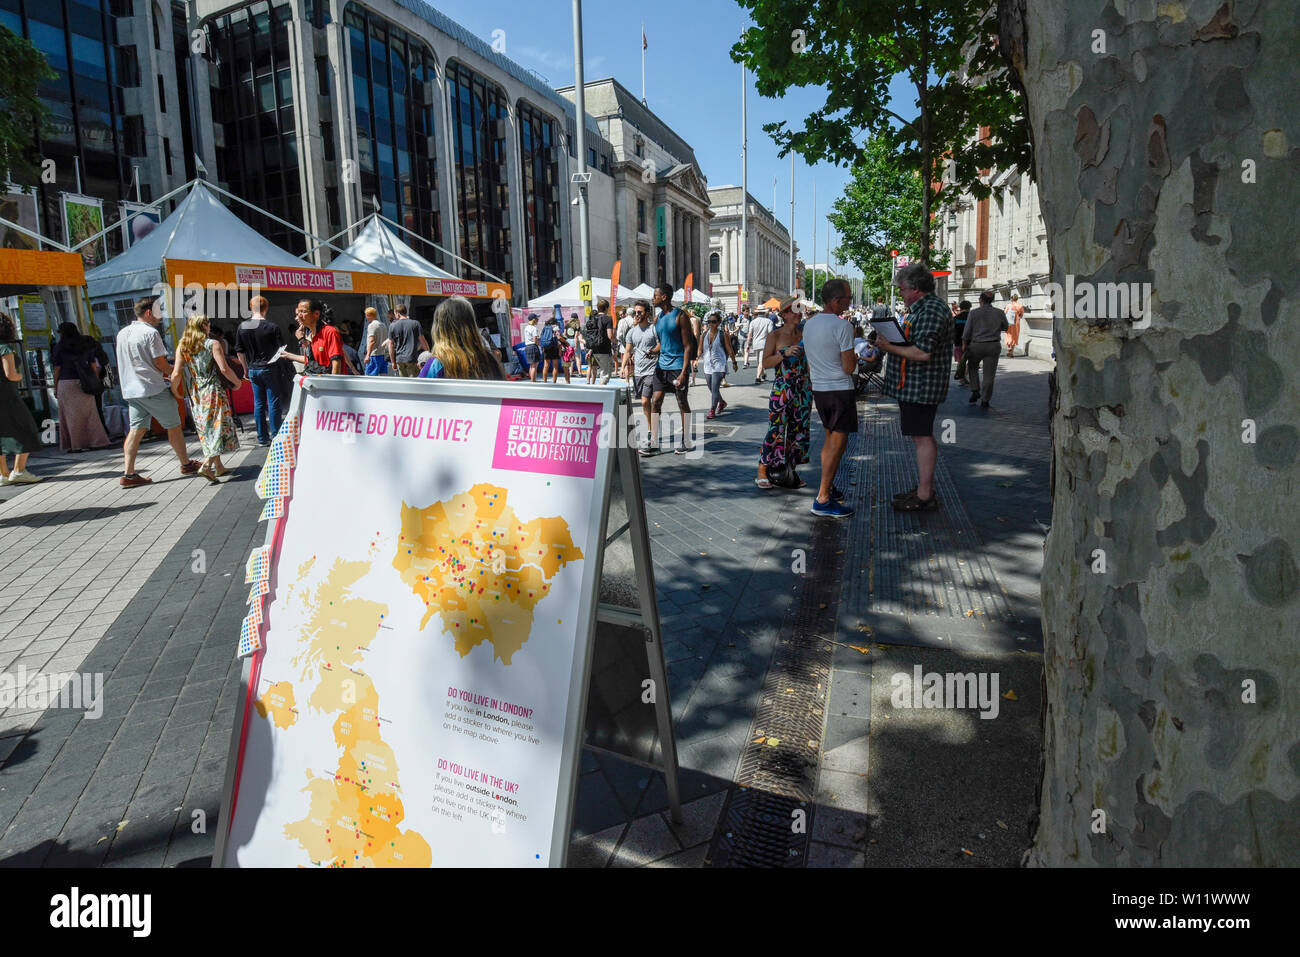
(145, 376)
(532, 352)
(828, 346)
(759, 330)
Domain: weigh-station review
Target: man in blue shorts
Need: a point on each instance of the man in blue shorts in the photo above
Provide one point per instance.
(676, 350)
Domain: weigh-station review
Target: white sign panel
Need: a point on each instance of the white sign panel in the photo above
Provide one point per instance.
(417, 702)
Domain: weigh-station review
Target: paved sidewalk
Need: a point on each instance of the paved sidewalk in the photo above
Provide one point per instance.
(139, 588)
(104, 580)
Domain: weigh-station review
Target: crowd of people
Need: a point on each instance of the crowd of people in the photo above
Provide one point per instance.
(819, 358)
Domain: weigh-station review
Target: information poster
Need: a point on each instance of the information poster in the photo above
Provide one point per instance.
(417, 700)
(34, 321)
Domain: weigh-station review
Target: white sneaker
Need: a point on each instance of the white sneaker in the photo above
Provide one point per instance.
(4, 481)
(23, 478)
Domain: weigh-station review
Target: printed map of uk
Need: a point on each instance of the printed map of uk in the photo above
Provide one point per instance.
(481, 569)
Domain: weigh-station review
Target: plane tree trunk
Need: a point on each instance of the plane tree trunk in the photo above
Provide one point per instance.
(1167, 150)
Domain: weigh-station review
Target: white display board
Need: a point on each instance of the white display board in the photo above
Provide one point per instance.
(418, 700)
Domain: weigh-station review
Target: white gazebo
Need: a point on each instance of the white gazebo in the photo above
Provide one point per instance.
(567, 295)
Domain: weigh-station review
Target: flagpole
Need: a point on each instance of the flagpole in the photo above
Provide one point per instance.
(643, 44)
(792, 289)
(744, 186)
(812, 292)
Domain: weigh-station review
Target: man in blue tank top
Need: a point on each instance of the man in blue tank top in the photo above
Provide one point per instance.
(676, 350)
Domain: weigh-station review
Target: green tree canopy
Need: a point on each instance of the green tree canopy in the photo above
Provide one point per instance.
(22, 112)
(947, 49)
(880, 211)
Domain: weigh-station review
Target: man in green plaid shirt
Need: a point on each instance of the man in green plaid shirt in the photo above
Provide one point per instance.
(917, 375)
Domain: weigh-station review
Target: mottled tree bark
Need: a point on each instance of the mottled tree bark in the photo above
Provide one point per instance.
(1171, 158)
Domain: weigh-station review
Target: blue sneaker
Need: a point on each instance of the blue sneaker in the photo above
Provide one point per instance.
(831, 509)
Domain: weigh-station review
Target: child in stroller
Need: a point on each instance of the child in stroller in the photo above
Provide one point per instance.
(870, 361)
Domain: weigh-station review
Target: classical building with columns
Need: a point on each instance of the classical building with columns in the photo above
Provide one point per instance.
(319, 109)
(767, 256)
(661, 204)
(998, 244)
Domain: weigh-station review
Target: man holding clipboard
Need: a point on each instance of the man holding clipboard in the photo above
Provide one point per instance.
(920, 357)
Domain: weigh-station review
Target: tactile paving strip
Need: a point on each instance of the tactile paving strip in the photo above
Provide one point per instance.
(959, 580)
(761, 825)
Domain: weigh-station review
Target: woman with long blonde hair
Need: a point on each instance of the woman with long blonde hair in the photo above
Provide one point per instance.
(457, 347)
(201, 367)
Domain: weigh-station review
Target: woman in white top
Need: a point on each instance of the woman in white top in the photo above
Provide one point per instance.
(715, 350)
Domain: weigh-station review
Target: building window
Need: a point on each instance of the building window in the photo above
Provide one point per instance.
(133, 135)
(591, 157)
(167, 155)
(604, 163)
(640, 217)
(540, 169)
(162, 95)
(128, 66)
(640, 265)
(157, 36)
(715, 263)
(252, 103)
(478, 116)
(640, 149)
(392, 80)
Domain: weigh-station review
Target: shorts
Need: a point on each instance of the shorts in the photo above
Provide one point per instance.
(604, 362)
(645, 386)
(665, 379)
(916, 418)
(838, 410)
(551, 353)
(160, 406)
(408, 370)
(533, 354)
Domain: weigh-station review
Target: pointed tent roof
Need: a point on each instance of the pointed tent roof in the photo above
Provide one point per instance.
(201, 228)
(378, 249)
(567, 295)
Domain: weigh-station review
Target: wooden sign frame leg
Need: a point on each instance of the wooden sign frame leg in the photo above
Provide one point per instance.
(647, 617)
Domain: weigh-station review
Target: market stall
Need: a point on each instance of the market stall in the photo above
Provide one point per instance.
(40, 289)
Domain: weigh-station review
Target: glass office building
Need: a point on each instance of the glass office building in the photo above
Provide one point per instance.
(540, 175)
(78, 39)
(253, 113)
(478, 117)
(394, 89)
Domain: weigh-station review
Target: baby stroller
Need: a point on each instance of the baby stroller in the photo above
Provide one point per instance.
(867, 375)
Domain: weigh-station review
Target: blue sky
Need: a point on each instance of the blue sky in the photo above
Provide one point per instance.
(691, 83)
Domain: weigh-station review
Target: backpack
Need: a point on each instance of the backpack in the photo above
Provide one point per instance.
(90, 383)
(591, 331)
(547, 338)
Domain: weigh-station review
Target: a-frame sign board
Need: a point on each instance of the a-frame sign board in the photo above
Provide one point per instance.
(431, 633)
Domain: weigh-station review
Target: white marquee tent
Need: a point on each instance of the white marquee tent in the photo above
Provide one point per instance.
(379, 249)
(201, 228)
(696, 296)
(567, 295)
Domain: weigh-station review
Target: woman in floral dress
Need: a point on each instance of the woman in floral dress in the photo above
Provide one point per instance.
(791, 398)
(202, 371)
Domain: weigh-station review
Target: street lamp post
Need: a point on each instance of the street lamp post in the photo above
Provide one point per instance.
(581, 177)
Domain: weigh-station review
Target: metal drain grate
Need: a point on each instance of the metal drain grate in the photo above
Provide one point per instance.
(778, 768)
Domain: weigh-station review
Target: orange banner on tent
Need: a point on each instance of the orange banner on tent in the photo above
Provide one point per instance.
(613, 284)
(309, 279)
(38, 267)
